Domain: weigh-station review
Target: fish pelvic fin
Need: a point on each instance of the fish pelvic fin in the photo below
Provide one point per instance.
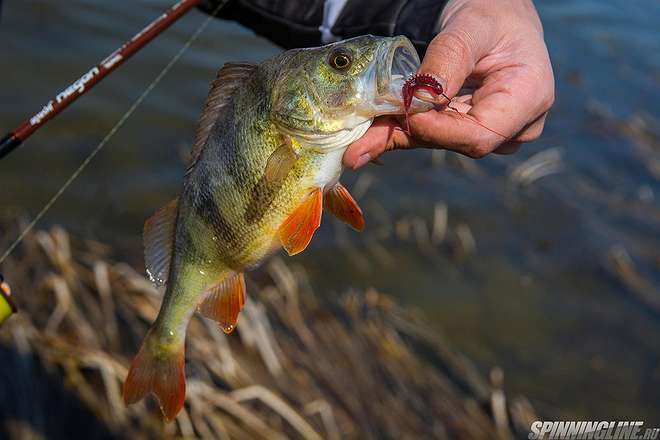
(224, 301)
(297, 230)
(341, 203)
(158, 368)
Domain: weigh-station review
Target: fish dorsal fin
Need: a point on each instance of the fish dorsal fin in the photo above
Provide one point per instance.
(341, 203)
(297, 230)
(224, 301)
(230, 77)
(158, 240)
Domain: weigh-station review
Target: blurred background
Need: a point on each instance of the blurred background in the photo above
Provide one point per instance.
(545, 263)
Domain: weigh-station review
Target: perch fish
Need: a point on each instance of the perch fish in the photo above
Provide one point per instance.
(266, 162)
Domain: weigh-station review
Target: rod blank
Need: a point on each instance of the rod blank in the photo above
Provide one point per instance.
(87, 81)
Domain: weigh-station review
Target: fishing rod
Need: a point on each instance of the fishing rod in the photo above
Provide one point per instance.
(88, 80)
(78, 88)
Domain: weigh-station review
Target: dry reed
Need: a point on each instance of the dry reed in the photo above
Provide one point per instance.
(298, 366)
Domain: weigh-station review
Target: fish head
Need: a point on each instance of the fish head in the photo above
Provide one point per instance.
(328, 96)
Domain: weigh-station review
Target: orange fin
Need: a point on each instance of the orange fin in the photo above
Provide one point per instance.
(342, 204)
(158, 368)
(297, 230)
(224, 301)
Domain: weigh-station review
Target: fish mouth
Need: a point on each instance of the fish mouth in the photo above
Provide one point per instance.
(397, 61)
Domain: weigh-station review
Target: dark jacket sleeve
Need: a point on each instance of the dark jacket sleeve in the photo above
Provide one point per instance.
(296, 23)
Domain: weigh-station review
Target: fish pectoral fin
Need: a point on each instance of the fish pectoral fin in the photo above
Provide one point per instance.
(280, 163)
(298, 229)
(158, 240)
(341, 203)
(158, 368)
(224, 301)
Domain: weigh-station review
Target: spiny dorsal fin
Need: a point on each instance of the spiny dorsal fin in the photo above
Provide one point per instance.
(297, 230)
(224, 301)
(341, 203)
(158, 240)
(230, 77)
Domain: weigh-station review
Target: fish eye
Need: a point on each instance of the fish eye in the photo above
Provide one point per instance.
(340, 60)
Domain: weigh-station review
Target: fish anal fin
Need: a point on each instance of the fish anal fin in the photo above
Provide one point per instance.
(224, 302)
(158, 240)
(341, 203)
(158, 368)
(230, 77)
(298, 229)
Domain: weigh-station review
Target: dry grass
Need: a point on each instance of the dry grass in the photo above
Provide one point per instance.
(298, 366)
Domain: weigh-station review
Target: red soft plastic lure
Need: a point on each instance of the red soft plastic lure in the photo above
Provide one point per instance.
(426, 82)
(417, 82)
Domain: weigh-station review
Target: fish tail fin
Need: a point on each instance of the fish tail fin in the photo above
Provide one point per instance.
(159, 368)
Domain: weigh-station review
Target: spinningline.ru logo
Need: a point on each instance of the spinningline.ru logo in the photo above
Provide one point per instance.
(598, 430)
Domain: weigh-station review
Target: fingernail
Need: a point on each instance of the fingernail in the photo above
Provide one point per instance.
(362, 160)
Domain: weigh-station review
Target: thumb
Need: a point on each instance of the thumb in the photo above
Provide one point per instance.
(451, 57)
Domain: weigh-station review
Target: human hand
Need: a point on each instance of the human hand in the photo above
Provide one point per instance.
(494, 54)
